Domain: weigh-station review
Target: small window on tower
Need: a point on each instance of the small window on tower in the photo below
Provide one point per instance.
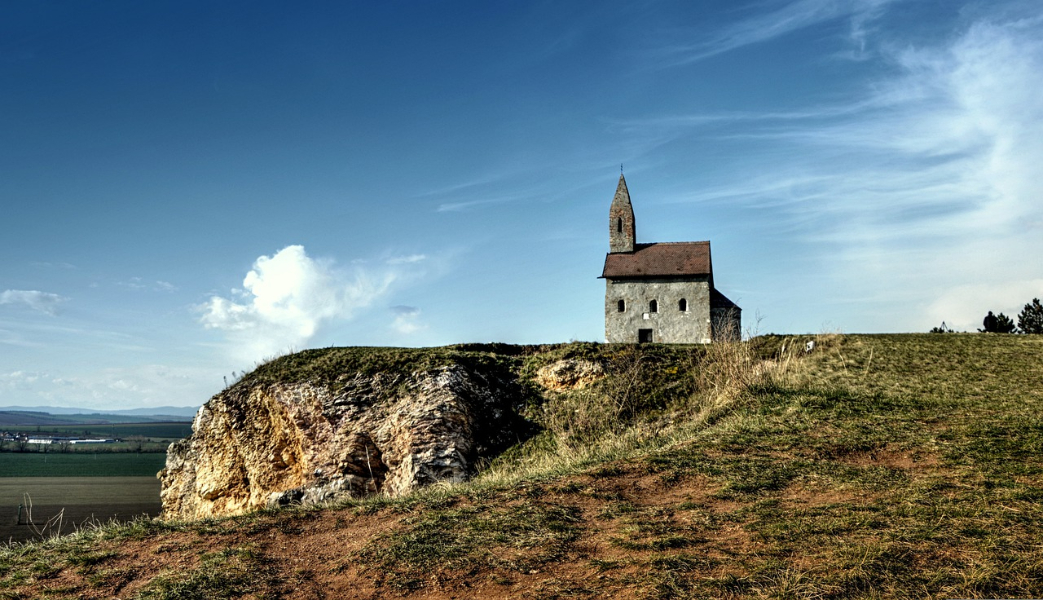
(682, 305)
(653, 306)
(621, 306)
(619, 225)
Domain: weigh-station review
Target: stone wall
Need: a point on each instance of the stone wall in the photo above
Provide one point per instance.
(669, 324)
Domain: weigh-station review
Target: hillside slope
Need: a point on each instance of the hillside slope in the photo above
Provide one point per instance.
(877, 466)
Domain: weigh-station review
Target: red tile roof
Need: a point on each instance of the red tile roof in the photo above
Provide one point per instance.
(668, 259)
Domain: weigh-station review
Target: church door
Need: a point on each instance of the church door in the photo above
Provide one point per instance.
(644, 336)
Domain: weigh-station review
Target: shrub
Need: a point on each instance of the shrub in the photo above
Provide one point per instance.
(1000, 323)
(1004, 324)
(1031, 318)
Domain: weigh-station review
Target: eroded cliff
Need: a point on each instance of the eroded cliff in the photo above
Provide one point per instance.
(321, 429)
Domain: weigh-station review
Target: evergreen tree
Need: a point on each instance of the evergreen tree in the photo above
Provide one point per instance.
(1004, 324)
(1031, 318)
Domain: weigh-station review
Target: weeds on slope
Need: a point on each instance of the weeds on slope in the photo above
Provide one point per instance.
(654, 396)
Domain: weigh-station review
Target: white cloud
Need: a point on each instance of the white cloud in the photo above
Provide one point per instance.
(44, 302)
(963, 307)
(288, 297)
(15, 379)
(406, 319)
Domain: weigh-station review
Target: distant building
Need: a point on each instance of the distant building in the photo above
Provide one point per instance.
(661, 292)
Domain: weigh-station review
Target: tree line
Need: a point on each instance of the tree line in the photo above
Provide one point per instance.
(1030, 321)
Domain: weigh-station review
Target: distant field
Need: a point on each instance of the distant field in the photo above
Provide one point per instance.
(102, 464)
(164, 430)
(10, 418)
(84, 500)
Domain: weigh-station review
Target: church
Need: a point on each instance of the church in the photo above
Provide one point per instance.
(661, 292)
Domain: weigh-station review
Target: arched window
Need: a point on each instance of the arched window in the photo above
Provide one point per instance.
(619, 225)
(653, 306)
(621, 306)
(682, 305)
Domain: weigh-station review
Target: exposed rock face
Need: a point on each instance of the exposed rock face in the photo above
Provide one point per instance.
(253, 447)
(569, 374)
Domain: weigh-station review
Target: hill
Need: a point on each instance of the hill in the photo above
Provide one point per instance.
(51, 415)
(876, 466)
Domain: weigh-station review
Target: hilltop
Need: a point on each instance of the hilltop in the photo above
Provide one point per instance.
(875, 466)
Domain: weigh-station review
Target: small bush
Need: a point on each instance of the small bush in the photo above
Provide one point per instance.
(1000, 323)
(1031, 318)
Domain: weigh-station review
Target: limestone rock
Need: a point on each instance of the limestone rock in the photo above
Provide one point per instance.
(569, 374)
(256, 446)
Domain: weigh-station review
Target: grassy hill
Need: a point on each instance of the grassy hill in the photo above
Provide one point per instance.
(876, 466)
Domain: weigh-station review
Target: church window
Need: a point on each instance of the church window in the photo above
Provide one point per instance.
(619, 225)
(621, 305)
(653, 306)
(682, 305)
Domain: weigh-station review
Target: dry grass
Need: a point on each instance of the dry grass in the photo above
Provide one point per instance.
(873, 467)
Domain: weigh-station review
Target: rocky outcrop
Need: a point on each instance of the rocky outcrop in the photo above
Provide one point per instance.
(268, 444)
(569, 374)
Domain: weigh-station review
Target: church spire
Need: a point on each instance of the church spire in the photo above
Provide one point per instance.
(622, 232)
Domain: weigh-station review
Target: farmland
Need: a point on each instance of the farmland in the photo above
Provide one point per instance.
(80, 501)
(168, 431)
(83, 487)
(79, 464)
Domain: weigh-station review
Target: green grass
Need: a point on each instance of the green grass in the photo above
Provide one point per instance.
(336, 367)
(100, 464)
(925, 450)
(885, 466)
(230, 573)
(516, 538)
(882, 466)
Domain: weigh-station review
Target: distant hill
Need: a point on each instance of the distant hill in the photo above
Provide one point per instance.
(53, 415)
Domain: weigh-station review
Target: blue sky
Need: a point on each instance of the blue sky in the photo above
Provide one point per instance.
(189, 187)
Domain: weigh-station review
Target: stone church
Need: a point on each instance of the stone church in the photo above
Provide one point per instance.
(661, 292)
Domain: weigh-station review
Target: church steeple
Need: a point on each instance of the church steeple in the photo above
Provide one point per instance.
(621, 231)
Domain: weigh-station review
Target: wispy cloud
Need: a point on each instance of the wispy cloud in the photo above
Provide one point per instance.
(53, 265)
(788, 18)
(36, 300)
(139, 284)
(113, 387)
(926, 188)
(406, 260)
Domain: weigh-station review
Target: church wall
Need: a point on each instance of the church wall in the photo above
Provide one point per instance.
(669, 325)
